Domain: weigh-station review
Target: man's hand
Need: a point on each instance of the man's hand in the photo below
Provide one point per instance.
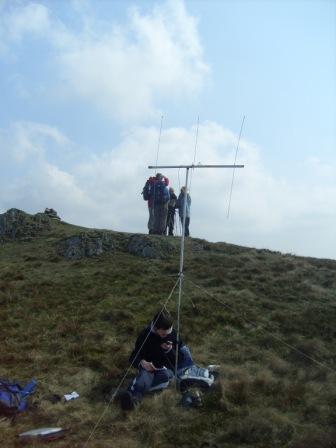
(167, 345)
(149, 366)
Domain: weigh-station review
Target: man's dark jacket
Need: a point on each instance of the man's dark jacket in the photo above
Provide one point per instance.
(148, 344)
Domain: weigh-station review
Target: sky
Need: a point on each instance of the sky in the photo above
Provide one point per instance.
(86, 86)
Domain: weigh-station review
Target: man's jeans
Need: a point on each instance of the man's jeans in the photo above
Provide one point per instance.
(151, 219)
(160, 218)
(152, 381)
(187, 222)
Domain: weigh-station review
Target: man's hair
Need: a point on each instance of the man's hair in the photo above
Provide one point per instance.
(163, 320)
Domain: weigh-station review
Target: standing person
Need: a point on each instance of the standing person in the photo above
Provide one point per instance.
(160, 198)
(154, 356)
(146, 193)
(180, 206)
(171, 212)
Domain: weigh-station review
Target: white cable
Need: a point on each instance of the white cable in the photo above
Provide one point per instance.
(321, 364)
(128, 369)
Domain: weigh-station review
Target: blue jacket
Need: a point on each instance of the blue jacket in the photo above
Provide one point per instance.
(180, 205)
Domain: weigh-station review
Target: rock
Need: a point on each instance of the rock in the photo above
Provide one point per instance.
(86, 245)
(18, 225)
(52, 213)
(149, 246)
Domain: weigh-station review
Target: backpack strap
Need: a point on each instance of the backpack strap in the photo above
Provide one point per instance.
(29, 388)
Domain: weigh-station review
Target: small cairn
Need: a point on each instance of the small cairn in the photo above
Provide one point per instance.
(52, 213)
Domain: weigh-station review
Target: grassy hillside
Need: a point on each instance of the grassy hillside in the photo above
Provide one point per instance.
(71, 324)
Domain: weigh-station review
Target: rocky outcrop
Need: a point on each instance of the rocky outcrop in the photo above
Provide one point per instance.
(18, 225)
(150, 246)
(52, 213)
(89, 244)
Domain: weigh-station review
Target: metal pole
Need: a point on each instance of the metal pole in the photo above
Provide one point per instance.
(196, 166)
(181, 273)
(187, 167)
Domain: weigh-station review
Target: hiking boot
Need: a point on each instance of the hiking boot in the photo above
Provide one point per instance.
(127, 401)
(191, 399)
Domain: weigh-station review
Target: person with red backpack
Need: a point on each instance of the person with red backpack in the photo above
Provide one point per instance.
(160, 198)
(156, 193)
(146, 193)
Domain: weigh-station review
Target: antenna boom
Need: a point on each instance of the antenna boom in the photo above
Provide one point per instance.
(151, 167)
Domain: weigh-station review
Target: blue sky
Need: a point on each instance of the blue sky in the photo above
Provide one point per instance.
(84, 84)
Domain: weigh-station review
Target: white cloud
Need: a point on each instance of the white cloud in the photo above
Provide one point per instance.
(26, 139)
(127, 69)
(30, 176)
(19, 19)
(105, 191)
(123, 70)
(321, 169)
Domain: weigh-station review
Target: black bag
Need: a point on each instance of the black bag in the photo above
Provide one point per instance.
(146, 190)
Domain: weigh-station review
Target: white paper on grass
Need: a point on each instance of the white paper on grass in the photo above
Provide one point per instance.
(71, 396)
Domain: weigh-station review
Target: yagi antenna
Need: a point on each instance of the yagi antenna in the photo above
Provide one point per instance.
(233, 172)
(187, 168)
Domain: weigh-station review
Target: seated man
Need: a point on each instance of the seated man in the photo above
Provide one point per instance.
(155, 356)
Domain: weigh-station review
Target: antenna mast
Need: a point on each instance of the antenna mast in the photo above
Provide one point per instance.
(181, 275)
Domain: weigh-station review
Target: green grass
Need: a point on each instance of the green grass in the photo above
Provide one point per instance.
(72, 324)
